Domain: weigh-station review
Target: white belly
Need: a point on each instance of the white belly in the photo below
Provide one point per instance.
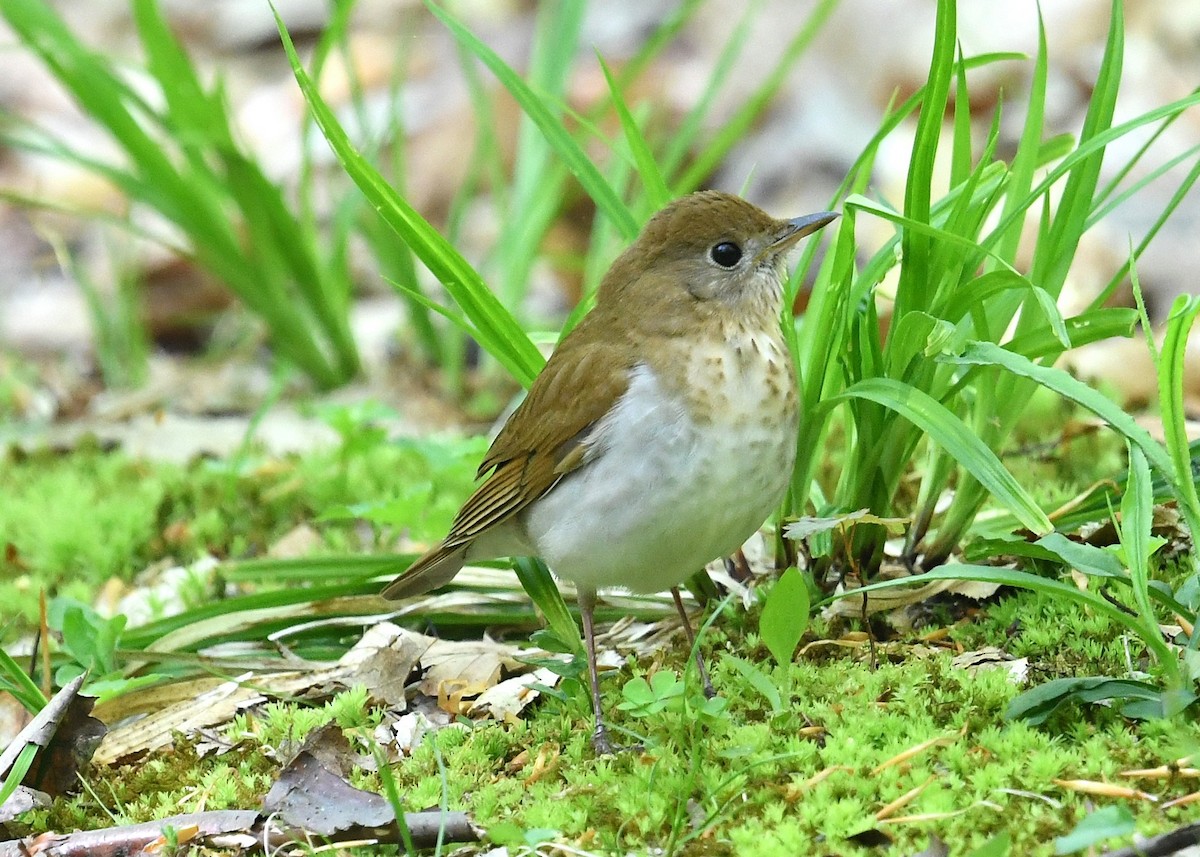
(665, 494)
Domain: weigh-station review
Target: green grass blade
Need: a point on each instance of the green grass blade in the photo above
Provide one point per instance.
(952, 434)
(1085, 150)
(1116, 200)
(1174, 414)
(15, 681)
(1092, 326)
(1177, 197)
(536, 580)
(1061, 382)
(1026, 159)
(1055, 255)
(915, 245)
(735, 129)
(16, 773)
(576, 160)
(194, 115)
(1137, 514)
(500, 334)
(653, 184)
(684, 136)
(538, 184)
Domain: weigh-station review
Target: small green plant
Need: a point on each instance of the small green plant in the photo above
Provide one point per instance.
(667, 693)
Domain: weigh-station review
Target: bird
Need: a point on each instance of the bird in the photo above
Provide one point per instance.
(661, 432)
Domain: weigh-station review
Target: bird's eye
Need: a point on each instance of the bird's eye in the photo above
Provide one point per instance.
(726, 254)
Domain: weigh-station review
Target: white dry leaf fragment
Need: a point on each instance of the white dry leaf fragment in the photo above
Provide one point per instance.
(990, 658)
(642, 639)
(976, 590)
(407, 733)
(804, 527)
(211, 743)
(22, 800)
(504, 701)
(609, 659)
(381, 662)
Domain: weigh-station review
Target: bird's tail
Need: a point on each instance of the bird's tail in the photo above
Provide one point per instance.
(432, 570)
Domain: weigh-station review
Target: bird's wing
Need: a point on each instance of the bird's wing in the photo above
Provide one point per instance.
(546, 437)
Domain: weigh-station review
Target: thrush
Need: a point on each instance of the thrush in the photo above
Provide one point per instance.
(661, 432)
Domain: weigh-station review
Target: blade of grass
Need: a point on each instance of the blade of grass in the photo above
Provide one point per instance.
(949, 431)
(500, 334)
(1174, 414)
(1137, 513)
(753, 106)
(536, 580)
(1061, 382)
(653, 184)
(548, 123)
(689, 128)
(538, 182)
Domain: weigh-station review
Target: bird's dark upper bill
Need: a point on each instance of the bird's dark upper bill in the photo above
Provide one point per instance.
(807, 225)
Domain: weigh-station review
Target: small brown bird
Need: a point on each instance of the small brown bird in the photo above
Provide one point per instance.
(661, 432)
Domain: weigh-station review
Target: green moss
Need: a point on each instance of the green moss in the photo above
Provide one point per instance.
(70, 522)
(747, 782)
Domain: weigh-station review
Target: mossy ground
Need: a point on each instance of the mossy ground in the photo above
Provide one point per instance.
(804, 775)
(71, 521)
(745, 782)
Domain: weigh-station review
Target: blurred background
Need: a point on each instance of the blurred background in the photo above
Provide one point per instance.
(107, 315)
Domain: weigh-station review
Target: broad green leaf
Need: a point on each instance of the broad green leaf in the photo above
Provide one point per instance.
(1086, 558)
(1037, 704)
(760, 681)
(785, 616)
(1099, 826)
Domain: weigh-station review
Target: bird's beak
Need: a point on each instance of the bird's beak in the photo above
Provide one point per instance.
(797, 228)
(806, 225)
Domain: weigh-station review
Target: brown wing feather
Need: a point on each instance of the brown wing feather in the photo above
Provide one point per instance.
(580, 383)
(541, 442)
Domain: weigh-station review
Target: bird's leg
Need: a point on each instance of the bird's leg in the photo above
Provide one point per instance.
(709, 691)
(587, 604)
